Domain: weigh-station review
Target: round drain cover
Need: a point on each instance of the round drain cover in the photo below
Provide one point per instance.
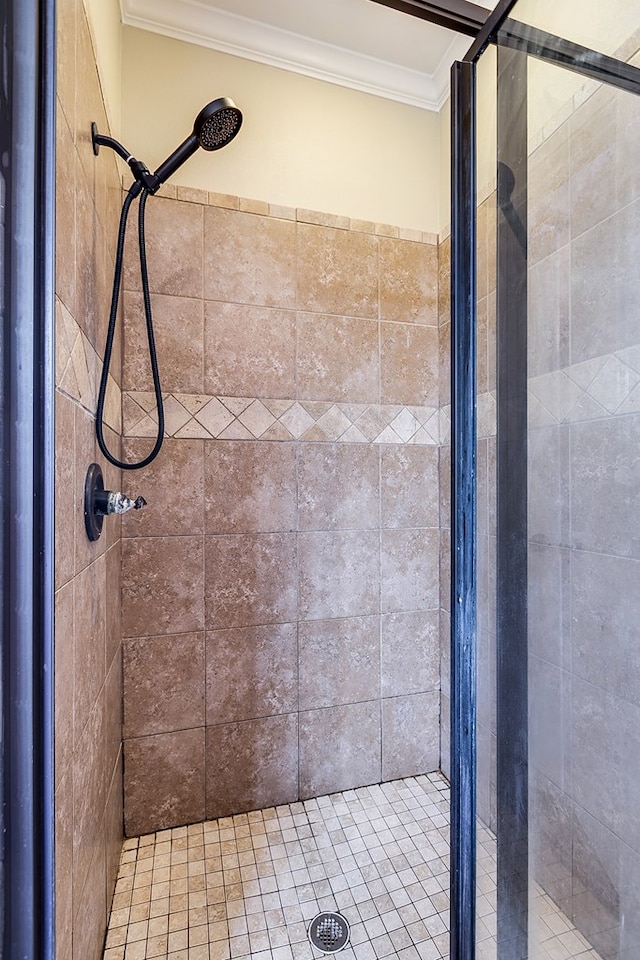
(329, 932)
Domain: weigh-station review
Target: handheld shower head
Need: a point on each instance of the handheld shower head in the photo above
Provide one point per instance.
(215, 126)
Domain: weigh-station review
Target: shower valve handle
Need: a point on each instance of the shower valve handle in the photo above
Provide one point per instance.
(100, 503)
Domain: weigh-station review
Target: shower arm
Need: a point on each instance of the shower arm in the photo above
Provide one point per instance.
(151, 182)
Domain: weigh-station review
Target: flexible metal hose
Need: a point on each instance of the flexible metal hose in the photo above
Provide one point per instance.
(113, 316)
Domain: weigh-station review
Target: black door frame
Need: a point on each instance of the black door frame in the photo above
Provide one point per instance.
(27, 300)
(515, 42)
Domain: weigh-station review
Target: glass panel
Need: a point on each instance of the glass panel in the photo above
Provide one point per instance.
(582, 445)
(486, 444)
(608, 28)
(584, 546)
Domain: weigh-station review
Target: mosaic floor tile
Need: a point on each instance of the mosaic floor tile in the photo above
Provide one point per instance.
(246, 887)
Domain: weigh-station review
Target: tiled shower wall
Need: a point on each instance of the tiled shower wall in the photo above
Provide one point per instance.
(281, 590)
(88, 687)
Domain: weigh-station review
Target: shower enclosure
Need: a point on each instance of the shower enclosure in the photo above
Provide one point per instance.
(546, 412)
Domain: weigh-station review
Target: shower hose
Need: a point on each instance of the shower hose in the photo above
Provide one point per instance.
(135, 190)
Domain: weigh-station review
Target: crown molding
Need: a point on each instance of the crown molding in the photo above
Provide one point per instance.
(207, 26)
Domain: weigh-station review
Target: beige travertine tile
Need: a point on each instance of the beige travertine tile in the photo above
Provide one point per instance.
(251, 672)
(339, 748)
(64, 640)
(410, 735)
(174, 234)
(89, 641)
(322, 219)
(409, 570)
(63, 805)
(337, 358)
(408, 281)
(249, 351)
(605, 286)
(162, 586)
(337, 272)
(409, 653)
(227, 200)
(339, 662)
(113, 739)
(549, 299)
(409, 486)
(409, 364)
(251, 764)
(164, 781)
(603, 490)
(444, 281)
(172, 485)
(87, 265)
(250, 579)
(192, 195)
(65, 468)
(249, 258)
(89, 795)
(66, 75)
(90, 908)
(338, 487)
(65, 212)
(250, 487)
(260, 207)
(339, 574)
(548, 196)
(592, 146)
(164, 688)
(178, 324)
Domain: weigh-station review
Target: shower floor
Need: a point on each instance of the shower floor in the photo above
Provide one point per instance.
(248, 886)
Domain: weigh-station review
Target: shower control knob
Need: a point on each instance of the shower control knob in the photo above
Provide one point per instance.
(100, 503)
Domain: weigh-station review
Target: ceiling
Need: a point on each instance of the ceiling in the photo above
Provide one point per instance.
(355, 43)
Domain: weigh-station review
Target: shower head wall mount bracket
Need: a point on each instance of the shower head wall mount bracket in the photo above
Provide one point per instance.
(215, 126)
(100, 503)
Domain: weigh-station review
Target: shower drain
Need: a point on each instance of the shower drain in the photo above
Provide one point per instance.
(329, 932)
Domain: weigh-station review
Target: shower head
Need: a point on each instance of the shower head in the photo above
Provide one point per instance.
(215, 126)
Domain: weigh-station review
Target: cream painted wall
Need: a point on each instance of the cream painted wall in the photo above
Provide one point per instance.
(304, 143)
(106, 34)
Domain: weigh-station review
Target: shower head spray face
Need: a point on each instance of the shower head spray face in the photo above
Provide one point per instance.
(217, 124)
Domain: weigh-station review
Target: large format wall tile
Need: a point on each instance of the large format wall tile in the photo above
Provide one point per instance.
(164, 684)
(408, 281)
(249, 351)
(338, 487)
(339, 662)
(248, 258)
(162, 585)
(337, 358)
(303, 460)
(250, 580)
(178, 325)
(409, 364)
(164, 780)
(171, 230)
(251, 765)
(410, 735)
(339, 575)
(339, 745)
(251, 673)
(337, 271)
(250, 487)
(172, 485)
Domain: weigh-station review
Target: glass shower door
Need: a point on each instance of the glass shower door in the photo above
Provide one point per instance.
(558, 447)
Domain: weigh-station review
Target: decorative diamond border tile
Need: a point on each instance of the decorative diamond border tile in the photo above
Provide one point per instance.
(248, 418)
